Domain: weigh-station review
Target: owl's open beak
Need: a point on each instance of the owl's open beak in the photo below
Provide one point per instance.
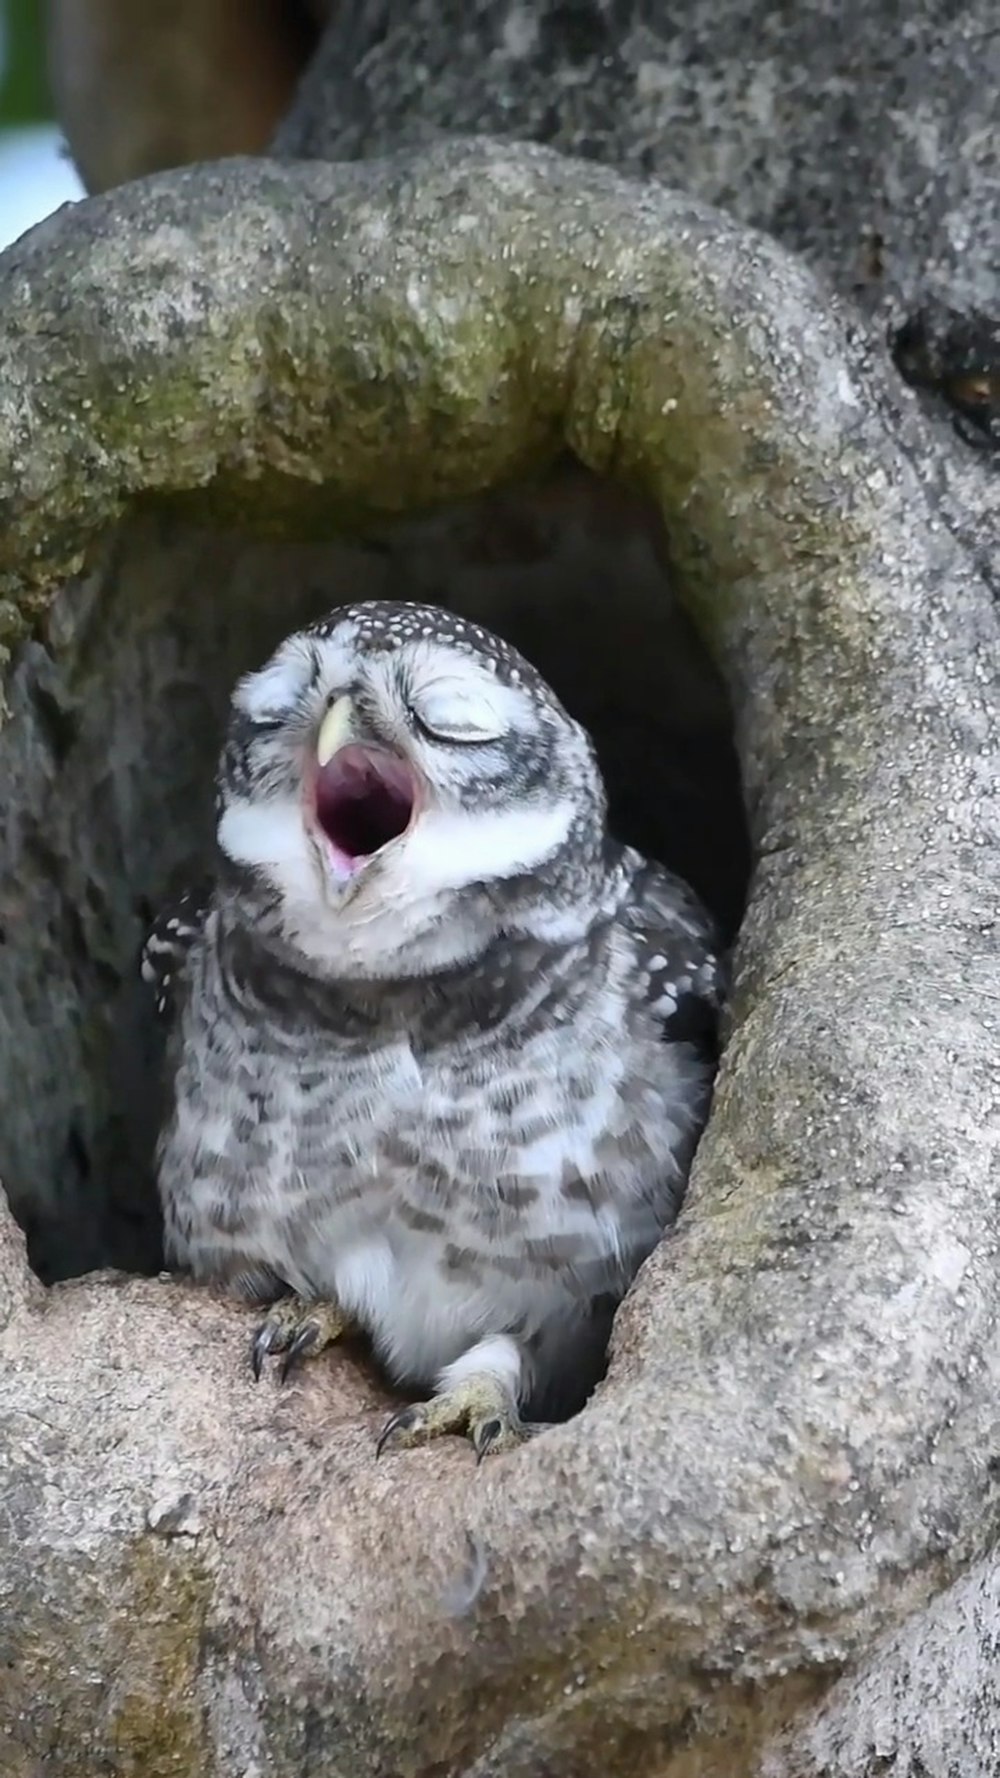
(365, 797)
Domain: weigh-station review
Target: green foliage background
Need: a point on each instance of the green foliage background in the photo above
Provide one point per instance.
(24, 89)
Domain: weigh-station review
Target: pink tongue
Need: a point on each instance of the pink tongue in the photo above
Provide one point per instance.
(349, 773)
(363, 799)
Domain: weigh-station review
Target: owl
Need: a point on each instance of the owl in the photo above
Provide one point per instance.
(439, 1048)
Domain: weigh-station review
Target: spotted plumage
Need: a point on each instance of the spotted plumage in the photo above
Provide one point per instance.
(168, 941)
(440, 1049)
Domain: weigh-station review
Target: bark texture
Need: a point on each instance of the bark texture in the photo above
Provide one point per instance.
(861, 137)
(767, 1545)
(783, 1499)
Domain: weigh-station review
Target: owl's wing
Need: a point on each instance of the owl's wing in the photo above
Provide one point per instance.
(168, 943)
(683, 971)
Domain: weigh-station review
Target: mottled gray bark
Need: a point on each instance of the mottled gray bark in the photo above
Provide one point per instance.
(863, 137)
(771, 1528)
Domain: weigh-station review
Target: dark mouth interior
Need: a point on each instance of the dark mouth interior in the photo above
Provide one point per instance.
(364, 799)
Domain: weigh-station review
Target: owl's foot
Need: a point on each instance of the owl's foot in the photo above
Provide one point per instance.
(479, 1407)
(297, 1328)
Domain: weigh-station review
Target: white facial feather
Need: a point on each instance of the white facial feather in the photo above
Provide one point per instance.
(270, 836)
(364, 926)
(274, 688)
(449, 851)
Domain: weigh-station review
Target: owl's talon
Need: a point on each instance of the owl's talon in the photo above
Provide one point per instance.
(304, 1345)
(261, 1347)
(479, 1408)
(484, 1437)
(403, 1421)
(297, 1328)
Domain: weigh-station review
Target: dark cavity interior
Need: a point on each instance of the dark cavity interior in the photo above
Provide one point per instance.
(363, 800)
(108, 761)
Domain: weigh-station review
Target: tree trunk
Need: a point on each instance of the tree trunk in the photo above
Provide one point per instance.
(648, 444)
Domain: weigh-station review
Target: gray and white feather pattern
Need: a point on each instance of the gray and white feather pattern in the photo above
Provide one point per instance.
(440, 1049)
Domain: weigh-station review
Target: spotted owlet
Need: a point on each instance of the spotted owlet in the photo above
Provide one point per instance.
(440, 1048)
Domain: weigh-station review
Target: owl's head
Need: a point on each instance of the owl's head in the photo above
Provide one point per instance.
(399, 786)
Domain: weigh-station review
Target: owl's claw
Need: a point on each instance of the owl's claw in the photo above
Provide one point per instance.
(479, 1408)
(298, 1329)
(303, 1346)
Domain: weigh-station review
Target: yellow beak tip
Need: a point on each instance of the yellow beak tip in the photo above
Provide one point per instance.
(333, 731)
